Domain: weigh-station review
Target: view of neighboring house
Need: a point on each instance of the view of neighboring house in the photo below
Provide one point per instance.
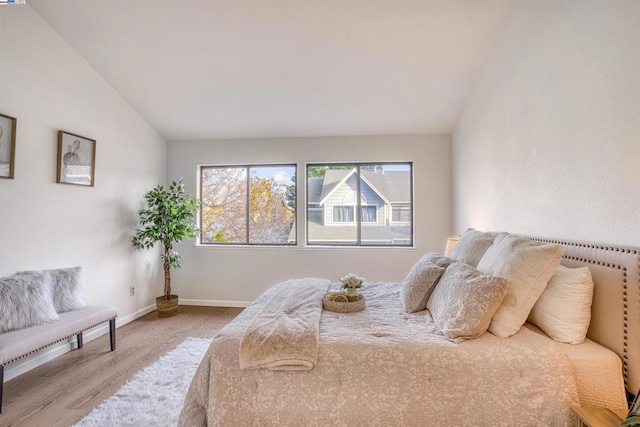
(385, 207)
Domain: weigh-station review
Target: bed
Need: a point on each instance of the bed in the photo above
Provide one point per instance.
(387, 366)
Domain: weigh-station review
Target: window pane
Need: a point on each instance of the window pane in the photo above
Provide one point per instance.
(331, 200)
(343, 214)
(382, 193)
(224, 205)
(272, 205)
(401, 214)
(369, 214)
(248, 204)
(386, 186)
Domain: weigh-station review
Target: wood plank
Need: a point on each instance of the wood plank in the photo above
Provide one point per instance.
(62, 391)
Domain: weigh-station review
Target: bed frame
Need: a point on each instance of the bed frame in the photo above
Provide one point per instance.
(615, 312)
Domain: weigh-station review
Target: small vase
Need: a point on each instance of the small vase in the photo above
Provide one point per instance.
(352, 295)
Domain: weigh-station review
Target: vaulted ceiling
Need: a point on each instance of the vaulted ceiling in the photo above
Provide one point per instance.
(201, 70)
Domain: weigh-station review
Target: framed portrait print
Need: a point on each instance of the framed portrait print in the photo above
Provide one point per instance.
(7, 146)
(76, 159)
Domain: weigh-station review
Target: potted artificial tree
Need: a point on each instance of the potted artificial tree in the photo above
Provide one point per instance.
(168, 218)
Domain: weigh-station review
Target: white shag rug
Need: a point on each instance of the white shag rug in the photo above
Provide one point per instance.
(155, 395)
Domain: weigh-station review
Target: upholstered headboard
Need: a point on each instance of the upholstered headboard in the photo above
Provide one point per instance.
(615, 313)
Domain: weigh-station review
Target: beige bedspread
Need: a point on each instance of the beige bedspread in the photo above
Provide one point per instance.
(383, 367)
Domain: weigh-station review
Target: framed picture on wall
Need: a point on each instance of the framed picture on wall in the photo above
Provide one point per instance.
(7, 146)
(76, 159)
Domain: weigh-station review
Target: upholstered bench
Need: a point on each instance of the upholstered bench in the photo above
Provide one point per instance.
(41, 308)
(15, 345)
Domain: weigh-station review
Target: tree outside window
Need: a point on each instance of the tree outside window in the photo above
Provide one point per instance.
(253, 204)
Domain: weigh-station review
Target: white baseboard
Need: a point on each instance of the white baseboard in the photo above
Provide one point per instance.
(214, 303)
(43, 356)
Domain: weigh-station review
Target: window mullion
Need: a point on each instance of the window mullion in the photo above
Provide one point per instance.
(358, 213)
(248, 209)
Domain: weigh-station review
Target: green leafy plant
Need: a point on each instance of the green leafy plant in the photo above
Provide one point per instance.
(168, 218)
(632, 420)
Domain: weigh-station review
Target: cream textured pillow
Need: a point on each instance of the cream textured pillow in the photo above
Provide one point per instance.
(527, 266)
(471, 246)
(464, 302)
(25, 300)
(563, 311)
(419, 283)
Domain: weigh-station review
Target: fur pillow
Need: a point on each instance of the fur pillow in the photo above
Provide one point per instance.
(68, 287)
(26, 300)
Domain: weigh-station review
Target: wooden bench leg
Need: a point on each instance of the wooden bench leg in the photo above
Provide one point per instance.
(1, 385)
(112, 333)
(79, 339)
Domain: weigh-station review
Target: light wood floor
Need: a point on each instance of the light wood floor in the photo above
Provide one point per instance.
(62, 391)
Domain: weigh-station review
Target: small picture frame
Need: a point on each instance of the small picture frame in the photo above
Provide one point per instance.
(76, 159)
(7, 146)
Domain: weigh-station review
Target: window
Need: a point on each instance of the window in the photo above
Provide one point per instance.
(368, 214)
(254, 205)
(401, 214)
(343, 214)
(381, 192)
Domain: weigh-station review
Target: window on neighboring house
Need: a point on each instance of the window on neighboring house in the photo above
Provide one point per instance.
(343, 214)
(368, 214)
(248, 205)
(401, 214)
(381, 192)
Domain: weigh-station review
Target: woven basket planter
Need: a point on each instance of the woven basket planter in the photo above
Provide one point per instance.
(167, 308)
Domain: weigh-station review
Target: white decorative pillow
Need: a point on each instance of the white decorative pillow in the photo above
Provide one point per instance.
(563, 311)
(527, 266)
(419, 283)
(25, 300)
(464, 302)
(68, 287)
(471, 246)
(439, 260)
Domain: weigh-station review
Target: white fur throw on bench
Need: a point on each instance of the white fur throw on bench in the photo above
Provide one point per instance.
(41, 308)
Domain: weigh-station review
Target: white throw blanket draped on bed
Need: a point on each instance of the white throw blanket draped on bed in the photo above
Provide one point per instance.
(283, 336)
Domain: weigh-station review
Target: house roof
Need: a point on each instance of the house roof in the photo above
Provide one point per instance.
(332, 180)
(393, 186)
(314, 189)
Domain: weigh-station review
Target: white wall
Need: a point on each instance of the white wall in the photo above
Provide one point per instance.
(549, 142)
(48, 87)
(239, 274)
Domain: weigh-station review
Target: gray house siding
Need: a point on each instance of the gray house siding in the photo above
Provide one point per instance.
(345, 195)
